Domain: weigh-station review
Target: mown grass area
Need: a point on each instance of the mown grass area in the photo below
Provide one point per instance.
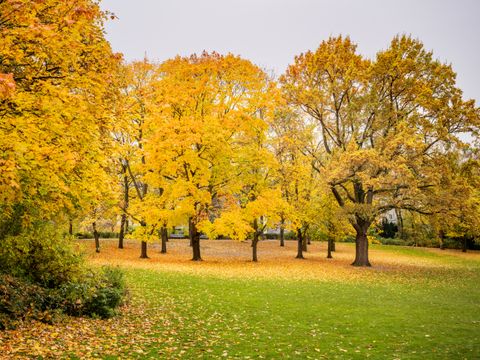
(413, 304)
(261, 318)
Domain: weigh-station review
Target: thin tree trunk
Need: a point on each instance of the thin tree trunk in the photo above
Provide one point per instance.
(164, 234)
(329, 248)
(70, 227)
(464, 244)
(282, 234)
(299, 244)
(309, 239)
(333, 245)
(254, 247)
(96, 236)
(121, 234)
(361, 244)
(190, 230)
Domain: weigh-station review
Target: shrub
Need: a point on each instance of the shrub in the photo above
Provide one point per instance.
(42, 275)
(41, 255)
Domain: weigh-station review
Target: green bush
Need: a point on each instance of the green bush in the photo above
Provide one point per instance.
(41, 255)
(42, 274)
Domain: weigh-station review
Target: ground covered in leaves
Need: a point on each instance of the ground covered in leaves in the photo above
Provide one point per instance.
(413, 303)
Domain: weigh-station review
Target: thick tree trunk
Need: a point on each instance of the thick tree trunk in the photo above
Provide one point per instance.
(164, 235)
(464, 244)
(121, 234)
(143, 252)
(96, 236)
(70, 227)
(282, 236)
(300, 242)
(361, 244)
(329, 248)
(195, 241)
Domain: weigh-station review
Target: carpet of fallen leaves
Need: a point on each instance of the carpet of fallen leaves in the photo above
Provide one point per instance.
(87, 338)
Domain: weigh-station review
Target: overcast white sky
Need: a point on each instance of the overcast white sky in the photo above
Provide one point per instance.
(271, 32)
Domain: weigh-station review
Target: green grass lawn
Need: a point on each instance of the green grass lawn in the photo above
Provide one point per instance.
(413, 303)
(214, 317)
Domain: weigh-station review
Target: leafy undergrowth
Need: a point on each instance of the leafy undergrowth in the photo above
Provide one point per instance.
(414, 303)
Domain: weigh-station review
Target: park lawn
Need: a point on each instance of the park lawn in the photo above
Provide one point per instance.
(413, 304)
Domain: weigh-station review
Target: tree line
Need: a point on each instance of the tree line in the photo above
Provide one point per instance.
(213, 141)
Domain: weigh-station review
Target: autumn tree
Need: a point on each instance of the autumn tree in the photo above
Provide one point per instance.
(209, 102)
(55, 69)
(384, 128)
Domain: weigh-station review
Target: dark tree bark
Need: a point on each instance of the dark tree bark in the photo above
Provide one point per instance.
(282, 235)
(190, 230)
(96, 236)
(143, 252)
(195, 241)
(299, 244)
(256, 237)
(333, 245)
(254, 247)
(464, 244)
(70, 226)
(164, 235)
(121, 234)
(361, 243)
(304, 243)
(329, 248)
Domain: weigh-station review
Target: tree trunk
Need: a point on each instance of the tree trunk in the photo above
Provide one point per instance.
(143, 252)
(254, 246)
(361, 244)
(329, 248)
(401, 231)
(332, 249)
(70, 227)
(304, 243)
(96, 236)
(299, 245)
(195, 241)
(190, 230)
(282, 235)
(164, 234)
(464, 244)
(121, 234)
(309, 240)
